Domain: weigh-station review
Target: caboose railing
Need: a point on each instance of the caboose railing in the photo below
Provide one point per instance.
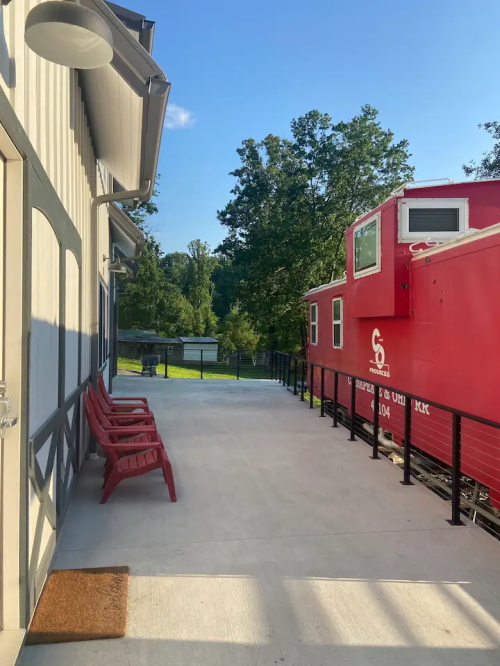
(298, 375)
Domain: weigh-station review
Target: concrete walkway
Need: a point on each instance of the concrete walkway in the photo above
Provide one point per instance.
(288, 545)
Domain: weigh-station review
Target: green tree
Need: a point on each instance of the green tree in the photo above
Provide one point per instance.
(226, 278)
(143, 306)
(292, 202)
(175, 267)
(200, 288)
(489, 166)
(237, 332)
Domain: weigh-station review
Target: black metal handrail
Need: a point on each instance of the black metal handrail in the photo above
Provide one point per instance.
(282, 360)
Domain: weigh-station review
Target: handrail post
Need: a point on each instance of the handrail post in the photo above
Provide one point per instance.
(376, 404)
(322, 411)
(311, 388)
(295, 376)
(289, 371)
(201, 364)
(166, 363)
(455, 469)
(406, 445)
(335, 400)
(238, 365)
(303, 379)
(352, 438)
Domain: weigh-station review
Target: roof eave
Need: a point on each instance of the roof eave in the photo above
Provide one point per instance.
(132, 62)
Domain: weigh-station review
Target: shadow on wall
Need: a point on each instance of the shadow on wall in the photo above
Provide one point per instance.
(7, 64)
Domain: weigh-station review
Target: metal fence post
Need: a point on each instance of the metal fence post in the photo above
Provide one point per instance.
(272, 365)
(311, 388)
(376, 404)
(335, 400)
(238, 365)
(166, 363)
(322, 412)
(302, 382)
(295, 376)
(289, 371)
(201, 364)
(406, 444)
(455, 469)
(353, 409)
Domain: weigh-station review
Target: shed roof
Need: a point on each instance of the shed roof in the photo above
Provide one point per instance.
(130, 335)
(198, 340)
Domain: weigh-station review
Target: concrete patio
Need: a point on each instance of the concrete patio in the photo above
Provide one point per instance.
(288, 545)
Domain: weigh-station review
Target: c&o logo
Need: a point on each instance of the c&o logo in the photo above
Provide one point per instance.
(379, 366)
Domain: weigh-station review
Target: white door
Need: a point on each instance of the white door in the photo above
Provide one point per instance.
(2, 240)
(11, 327)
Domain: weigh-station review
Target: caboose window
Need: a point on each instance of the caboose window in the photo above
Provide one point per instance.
(432, 219)
(367, 247)
(337, 316)
(314, 324)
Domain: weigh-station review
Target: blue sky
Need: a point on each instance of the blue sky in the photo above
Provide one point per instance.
(242, 70)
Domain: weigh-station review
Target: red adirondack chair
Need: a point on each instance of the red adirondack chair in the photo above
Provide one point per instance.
(114, 424)
(120, 403)
(136, 453)
(114, 419)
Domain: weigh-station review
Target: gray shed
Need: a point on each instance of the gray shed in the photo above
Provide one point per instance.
(192, 348)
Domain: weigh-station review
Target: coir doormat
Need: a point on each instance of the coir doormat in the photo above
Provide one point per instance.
(81, 605)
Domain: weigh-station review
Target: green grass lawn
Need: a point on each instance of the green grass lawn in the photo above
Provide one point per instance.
(193, 372)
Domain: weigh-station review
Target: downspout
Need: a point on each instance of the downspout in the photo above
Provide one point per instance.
(143, 194)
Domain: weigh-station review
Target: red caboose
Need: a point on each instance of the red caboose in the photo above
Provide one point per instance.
(419, 310)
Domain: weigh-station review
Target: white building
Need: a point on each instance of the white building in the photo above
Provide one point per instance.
(71, 142)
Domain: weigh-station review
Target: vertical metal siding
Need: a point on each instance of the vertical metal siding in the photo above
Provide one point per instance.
(44, 347)
(47, 100)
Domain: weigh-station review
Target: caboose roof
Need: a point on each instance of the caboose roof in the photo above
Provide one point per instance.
(406, 190)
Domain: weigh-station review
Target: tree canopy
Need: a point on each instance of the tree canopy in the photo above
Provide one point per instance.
(292, 201)
(489, 166)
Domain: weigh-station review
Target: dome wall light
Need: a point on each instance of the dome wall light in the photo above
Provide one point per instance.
(69, 34)
(116, 266)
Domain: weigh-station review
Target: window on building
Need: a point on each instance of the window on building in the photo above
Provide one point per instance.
(338, 315)
(314, 324)
(103, 325)
(367, 247)
(434, 219)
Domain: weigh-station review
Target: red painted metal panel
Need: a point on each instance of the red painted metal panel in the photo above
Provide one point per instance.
(446, 349)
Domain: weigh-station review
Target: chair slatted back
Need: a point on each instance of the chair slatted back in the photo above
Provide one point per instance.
(103, 390)
(97, 431)
(96, 404)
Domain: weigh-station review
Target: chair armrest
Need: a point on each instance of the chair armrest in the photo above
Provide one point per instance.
(129, 417)
(132, 431)
(144, 400)
(130, 409)
(134, 446)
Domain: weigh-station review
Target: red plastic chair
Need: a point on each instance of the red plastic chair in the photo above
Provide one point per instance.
(120, 403)
(137, 454)
(119, 418)
(114, 424)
